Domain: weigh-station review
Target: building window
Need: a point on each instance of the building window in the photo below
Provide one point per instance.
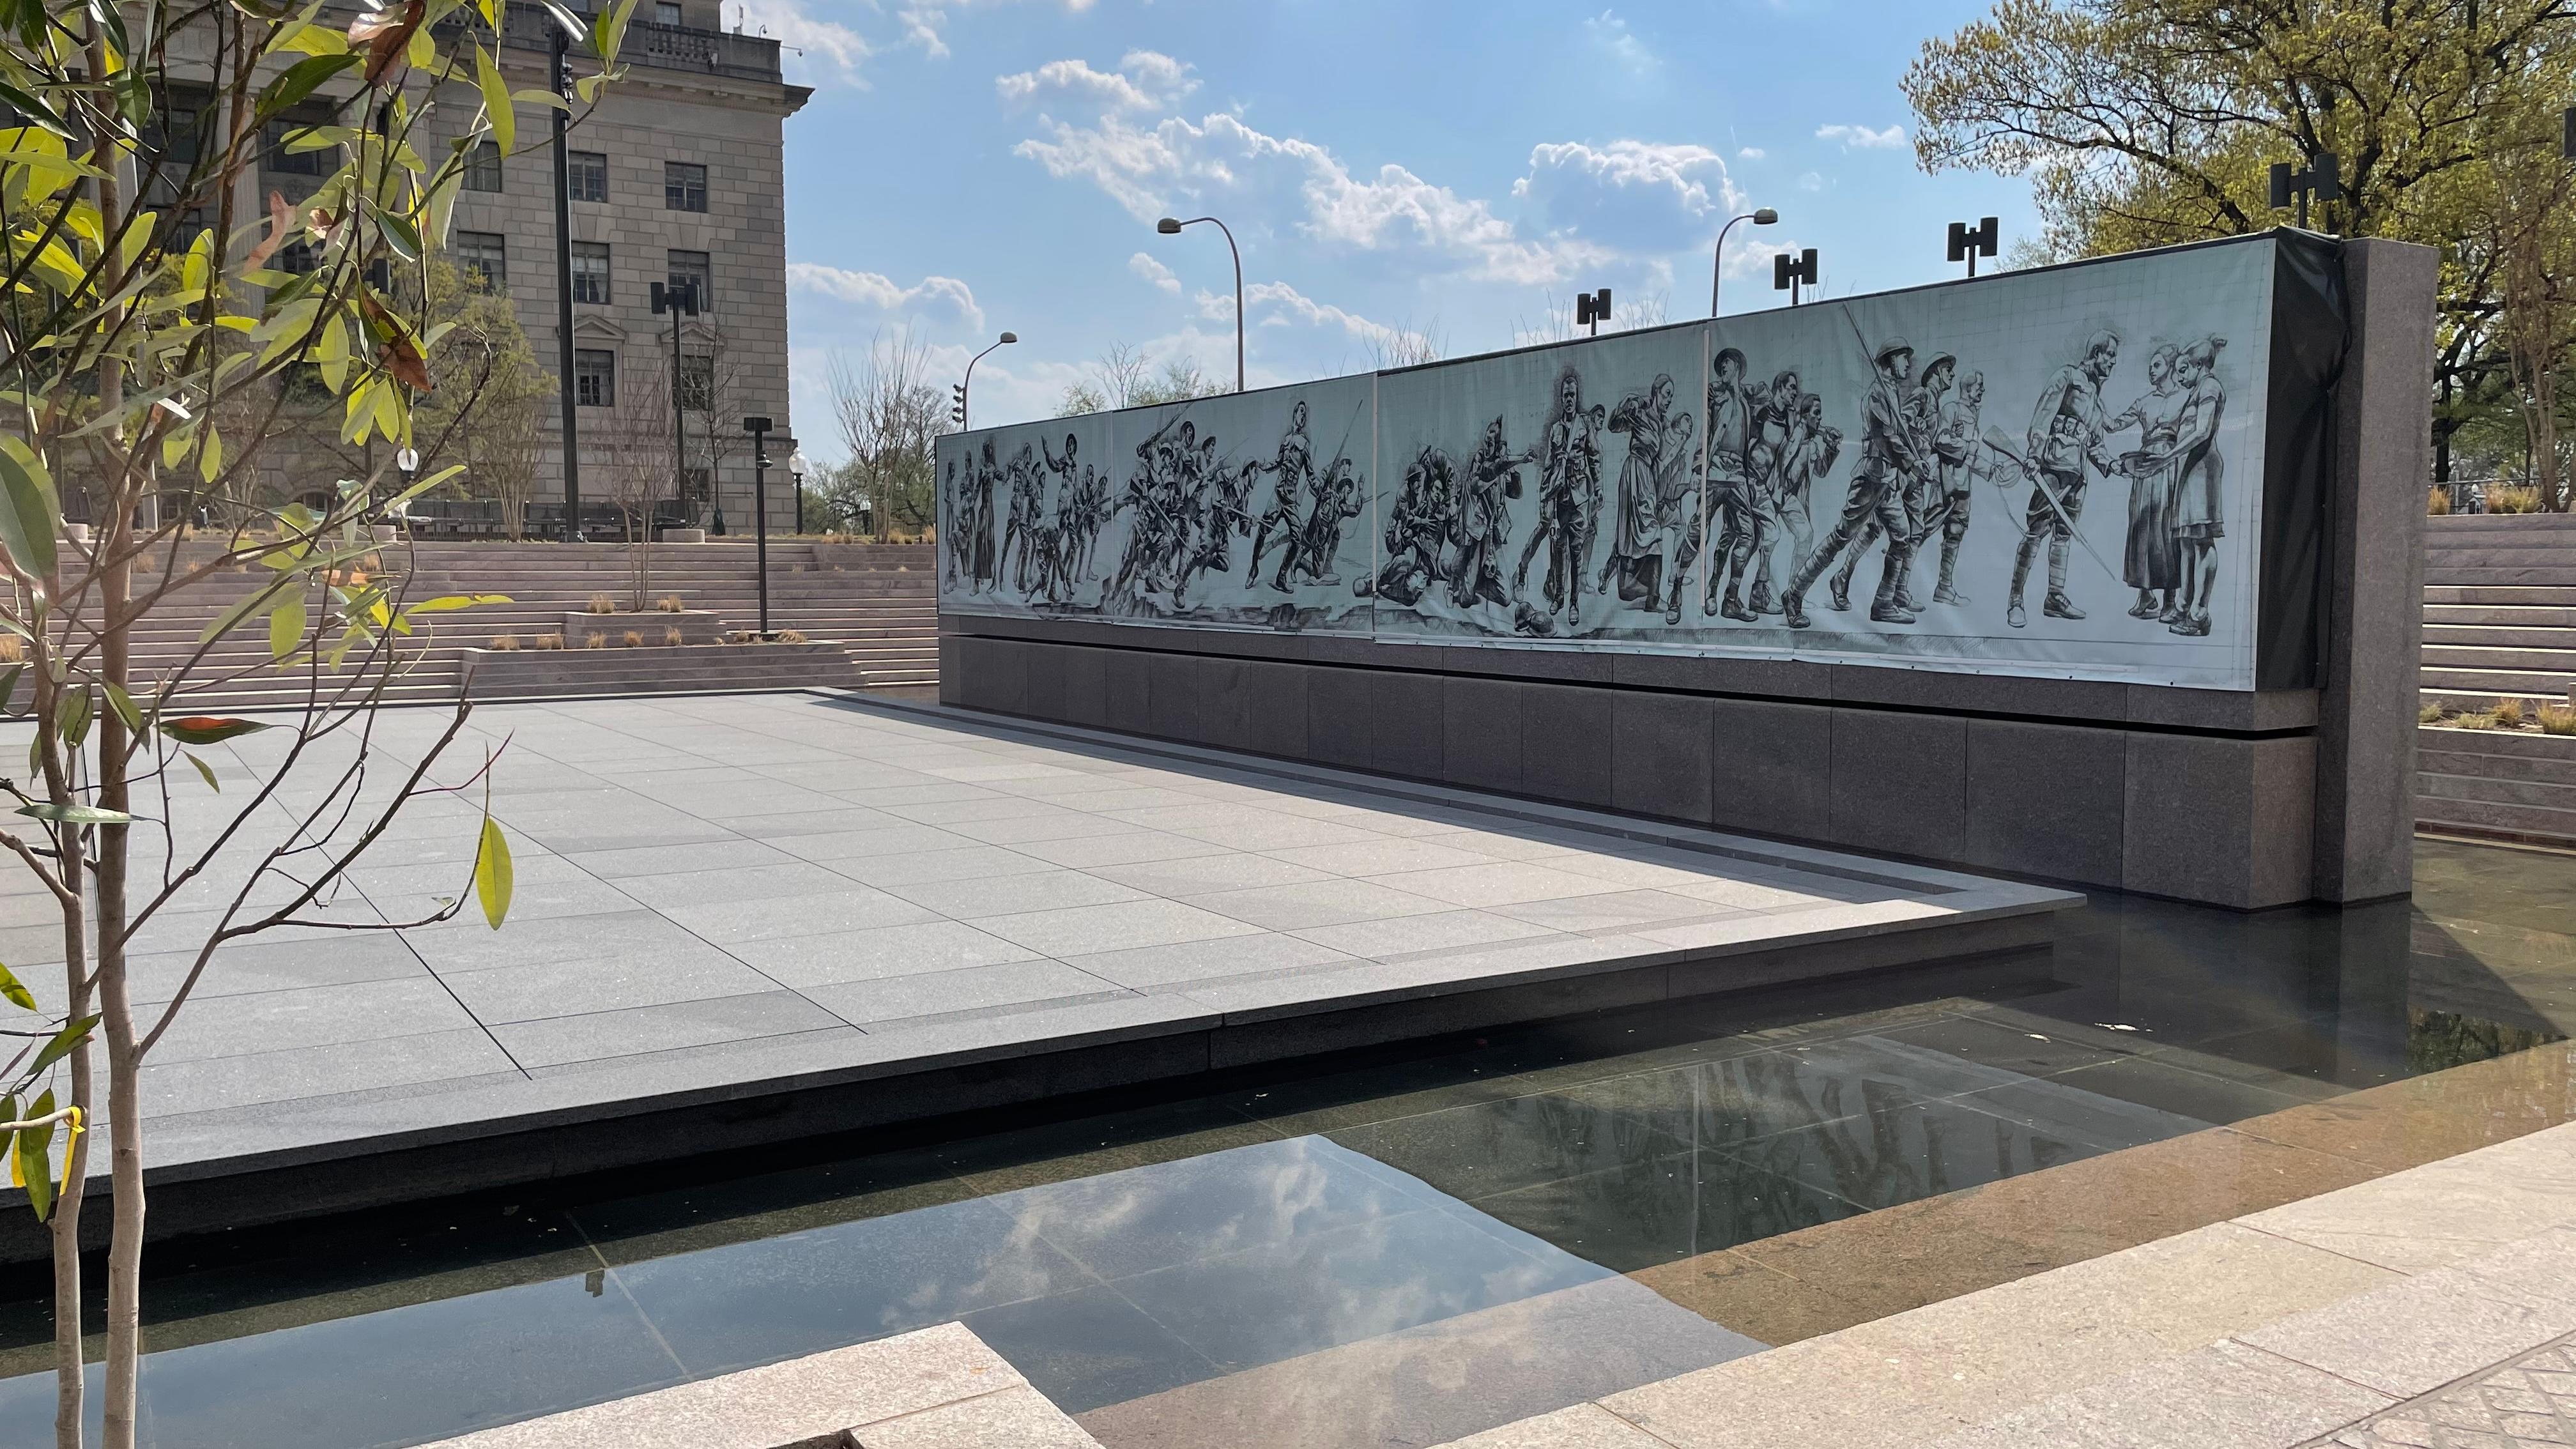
(684, 186)
(484, 257)
(281, 162)
(589, 175)
(665, 13)
(170, 135)
(483, 167)
(298, 258)
(697, 389)
(590, 273)
(594, 378)
(689, 269)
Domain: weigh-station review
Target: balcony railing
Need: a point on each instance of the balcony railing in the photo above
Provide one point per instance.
(664, 47)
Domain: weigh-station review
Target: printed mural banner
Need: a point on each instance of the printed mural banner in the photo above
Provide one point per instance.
(2057, 473)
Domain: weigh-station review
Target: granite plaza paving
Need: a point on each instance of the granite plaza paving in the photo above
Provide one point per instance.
(729, 893)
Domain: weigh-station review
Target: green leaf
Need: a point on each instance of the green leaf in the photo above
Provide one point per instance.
(123, 704)
(398, 232)
(209, 729)
(9, 683)
(74, 814)
(446, 602)
(205, 771)
(27, 508)
(72, 715)
(496, 101)
(492, 873)
(14, 991)
(286, 627)
(300, 80)
(610, 31)
(31, 1165)
(70, 1036)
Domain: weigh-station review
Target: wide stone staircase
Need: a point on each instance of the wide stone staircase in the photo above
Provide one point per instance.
(2499, 623)
(876, 603)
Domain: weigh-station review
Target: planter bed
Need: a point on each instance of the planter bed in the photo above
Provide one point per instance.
(696, 626)
(656, 669)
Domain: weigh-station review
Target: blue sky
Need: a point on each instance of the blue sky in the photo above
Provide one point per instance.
(967, 166)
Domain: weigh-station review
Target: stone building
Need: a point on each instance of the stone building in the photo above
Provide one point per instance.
(677, 175)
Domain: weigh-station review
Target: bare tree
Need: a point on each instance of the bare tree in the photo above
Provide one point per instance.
(634, 457)
(1405, 345)
(890, 416)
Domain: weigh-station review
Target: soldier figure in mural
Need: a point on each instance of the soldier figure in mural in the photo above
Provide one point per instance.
(1293, 476)
(1421, 521)
(1730, 489)
(1483, 528)
(1959, 450)
(1776, 419)
(1807, 454)
(1651, 544)
(1922, 420)
(1888, 466)
(2065, 438)
(982, 568)
(1569, 503)
(1319, 538)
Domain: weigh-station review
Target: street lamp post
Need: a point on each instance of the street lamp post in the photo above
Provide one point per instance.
(559, 72)
(796, 470)
(680, 300)
(759, 430)
(1759, 216)
(1171, 226)
(963, 388)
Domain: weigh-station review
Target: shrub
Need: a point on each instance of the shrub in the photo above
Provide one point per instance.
(2438, 502)
(674, 638)
(2557, 719)
(634, 638)
(2474, 722)
(550, 641)
(506, 643)
(670, 604)
(791, 636)
(2430, 714)
(2508, 714)
(13, 650)
(594, 640)
(603, 603)
(2504, 498)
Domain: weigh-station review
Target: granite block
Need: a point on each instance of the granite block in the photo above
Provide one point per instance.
(1407, 728)
(1662, 756)
(1279, 704)
(2046, 799)
(1565, 744)
(1044, 666)
(1480, 735)
(1126, 692)
(2208, 818)
(1772, 767)
(1900, 782)
(1086, 686)
(1225, 703)
(1338, 707)
(1992, 694)
(1172, 695)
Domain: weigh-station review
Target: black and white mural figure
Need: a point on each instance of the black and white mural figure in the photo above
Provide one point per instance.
(1655, 537)
(1581, 494)
(1881, 483)
(1569, 508)
(2065, 440)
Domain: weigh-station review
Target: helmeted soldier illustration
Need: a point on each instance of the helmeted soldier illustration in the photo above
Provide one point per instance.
(1958, 445)
(1483, 527)
(1730, 491)
(2066, 431)
(1418, 529)
(1808, 454)
(1890, 462)
(1922, 421)
(1569, 499)
(1293, 477)
(1777, 419)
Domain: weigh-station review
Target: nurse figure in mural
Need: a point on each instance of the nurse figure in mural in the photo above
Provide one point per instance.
(2199, 498)
(1651, 546)
(2149, 561)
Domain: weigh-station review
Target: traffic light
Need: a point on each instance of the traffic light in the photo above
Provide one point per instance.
(957, 403)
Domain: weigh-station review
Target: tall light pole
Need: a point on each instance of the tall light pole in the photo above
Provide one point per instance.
(959, 411)
(1760, 216)
(759, 430)
(559, 74)
(1170, 226)
(681, 301)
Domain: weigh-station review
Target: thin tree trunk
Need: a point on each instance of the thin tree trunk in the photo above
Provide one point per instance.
(70, 1383)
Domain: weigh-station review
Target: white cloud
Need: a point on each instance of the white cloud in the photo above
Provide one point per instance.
(1144, 265)
(1277, 304)
(827, 45)
(925, 22)
(932, 295)
(1810, 181)
(1750, 153)
(1611, 34)
(1149, 168)
(1862, 137)
(1636, 195)
(1144, 81)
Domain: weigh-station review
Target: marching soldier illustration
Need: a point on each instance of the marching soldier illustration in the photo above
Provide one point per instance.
(2065, 439)
(1889, 464)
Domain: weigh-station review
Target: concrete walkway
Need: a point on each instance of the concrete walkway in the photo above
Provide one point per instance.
(2431, 1306)
(735, 896)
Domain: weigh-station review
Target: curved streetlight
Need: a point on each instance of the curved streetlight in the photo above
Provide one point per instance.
(1763, 216)
(1171, 226)
(1005, 340)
